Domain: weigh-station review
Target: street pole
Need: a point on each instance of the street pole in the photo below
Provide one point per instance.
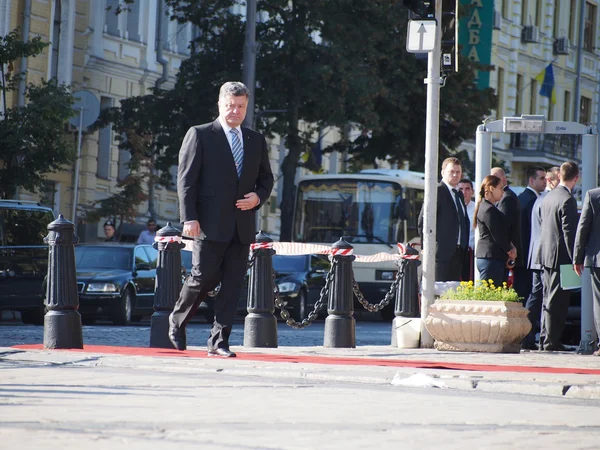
(433, 82)
(77, 165)
(249, 73)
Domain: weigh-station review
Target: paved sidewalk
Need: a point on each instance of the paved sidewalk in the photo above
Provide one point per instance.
(556, 374)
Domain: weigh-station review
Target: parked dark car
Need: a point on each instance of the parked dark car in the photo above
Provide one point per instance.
(115, 281)
(299, 279)
(23, 257)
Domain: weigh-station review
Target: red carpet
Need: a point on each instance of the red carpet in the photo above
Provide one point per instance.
(313, 359)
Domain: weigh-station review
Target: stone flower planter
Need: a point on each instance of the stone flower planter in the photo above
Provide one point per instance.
(477, 326)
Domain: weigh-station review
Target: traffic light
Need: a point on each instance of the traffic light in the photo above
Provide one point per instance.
(449, 61)
(421, 9)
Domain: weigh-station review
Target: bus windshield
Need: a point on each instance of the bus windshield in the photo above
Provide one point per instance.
(362, 211)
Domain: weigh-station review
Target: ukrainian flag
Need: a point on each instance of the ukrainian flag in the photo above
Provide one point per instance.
(546, 78)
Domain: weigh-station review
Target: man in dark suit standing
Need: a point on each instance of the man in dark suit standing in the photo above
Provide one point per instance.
(536, 183)
(224, 177)
(587, 249)
(452, 224)
(509, 205)
(559, 225)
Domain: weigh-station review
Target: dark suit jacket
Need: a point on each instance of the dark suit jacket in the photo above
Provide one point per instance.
(509, 206)
(526, 200)
(208, 185)
(493, 233)
(559, 225)
(587, 239)
(447, 224)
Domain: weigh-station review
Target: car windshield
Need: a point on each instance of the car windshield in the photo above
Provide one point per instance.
(102, 258)
(289, 263)
(23, 227)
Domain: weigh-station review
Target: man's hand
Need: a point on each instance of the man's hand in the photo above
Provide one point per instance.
(191, 228)
(578, 269)
(250, 201)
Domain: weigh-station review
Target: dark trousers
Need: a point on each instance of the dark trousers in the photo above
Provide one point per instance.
(534, 306)
(450, 270)
(522, 282)
(491, 269)
(596, 298)
(213, 263)
(468, 270)
(555, 307)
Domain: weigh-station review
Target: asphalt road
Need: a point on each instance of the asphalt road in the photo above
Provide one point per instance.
(367, 333)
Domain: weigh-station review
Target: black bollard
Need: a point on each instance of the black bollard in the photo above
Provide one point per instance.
(340, 326)
(407, 302)
(168, 284)
(62, 322)
(260, 325)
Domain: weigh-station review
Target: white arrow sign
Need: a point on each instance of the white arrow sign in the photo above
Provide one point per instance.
(421, 36)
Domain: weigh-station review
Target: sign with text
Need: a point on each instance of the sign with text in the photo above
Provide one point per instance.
(475, 35)
(421, 36)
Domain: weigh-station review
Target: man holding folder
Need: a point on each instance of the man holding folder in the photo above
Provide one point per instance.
(559, 225)
(587, 248)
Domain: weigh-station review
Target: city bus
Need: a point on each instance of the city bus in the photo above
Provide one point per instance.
(373, 210)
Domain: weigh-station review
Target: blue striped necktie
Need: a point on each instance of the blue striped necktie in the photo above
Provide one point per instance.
(237, 150)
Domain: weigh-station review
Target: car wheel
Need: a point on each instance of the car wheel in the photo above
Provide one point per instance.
(388, 313)
(299, 311)
(33, 316)
(124, 309)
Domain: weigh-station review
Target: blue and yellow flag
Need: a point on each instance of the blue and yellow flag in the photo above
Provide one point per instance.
(546, 79)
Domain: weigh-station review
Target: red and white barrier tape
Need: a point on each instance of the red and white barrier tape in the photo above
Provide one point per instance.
(298, 248)
(168, 239)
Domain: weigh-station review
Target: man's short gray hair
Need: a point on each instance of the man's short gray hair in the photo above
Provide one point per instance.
(235, 89)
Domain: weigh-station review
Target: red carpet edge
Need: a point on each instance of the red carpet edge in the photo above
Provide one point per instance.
(315, 359)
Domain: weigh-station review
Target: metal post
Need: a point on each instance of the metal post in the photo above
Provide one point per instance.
(433, 82)
(483, 165)
(407, 295)
(260, 325)
(589, 172)
(249, 70)
(168, 283)
(340, 326)
(62, 323)
(77, 166)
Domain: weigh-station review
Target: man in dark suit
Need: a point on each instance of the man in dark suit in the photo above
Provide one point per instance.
(559, 225)
(587, 249)
(452, 224)
(509, 205)
(536, 183)
(535, 299)
(224, 177)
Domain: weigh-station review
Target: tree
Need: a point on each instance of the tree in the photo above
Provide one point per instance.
(34, 140)
(336, 63)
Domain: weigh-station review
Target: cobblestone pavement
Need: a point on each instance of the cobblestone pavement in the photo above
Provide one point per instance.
(367, 333)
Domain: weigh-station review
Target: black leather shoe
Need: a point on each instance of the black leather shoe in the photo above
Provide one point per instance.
(178, 338)
(222, 352)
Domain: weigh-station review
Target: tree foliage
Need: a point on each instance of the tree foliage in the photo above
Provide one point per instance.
(34, 140)
(326, 63)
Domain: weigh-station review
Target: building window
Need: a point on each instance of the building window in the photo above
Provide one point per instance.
(573, 20)
(518, 105)
(524, 13)
(550, 111)
(112, 19)
(504, 9)
(133, 21)
(539, 14)
(173, 173)
(124, 158)
(533, 96)
(585, 110)
(500, 93)
(567, 107)
(55, 39)
(589, 27)
(104, 143)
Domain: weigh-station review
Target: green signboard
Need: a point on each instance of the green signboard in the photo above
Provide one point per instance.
(475, 35)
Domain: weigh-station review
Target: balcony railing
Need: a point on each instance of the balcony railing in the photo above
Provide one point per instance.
(563, 145)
